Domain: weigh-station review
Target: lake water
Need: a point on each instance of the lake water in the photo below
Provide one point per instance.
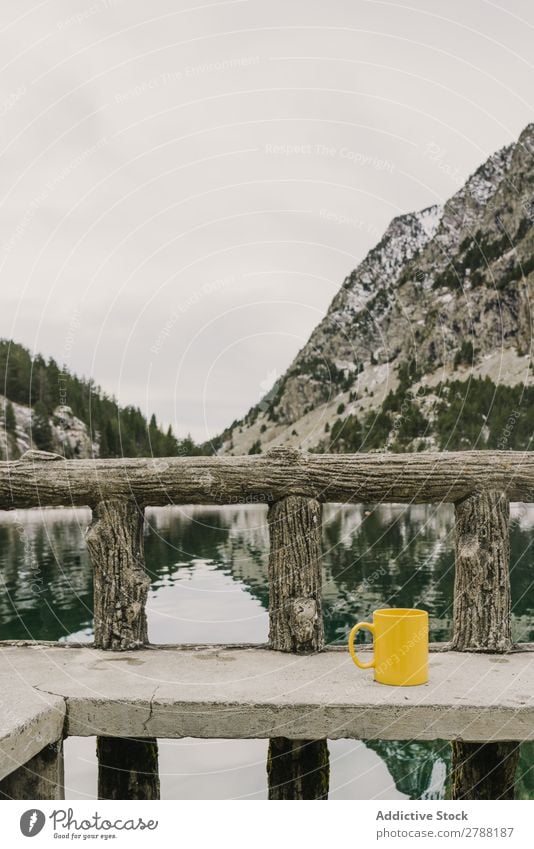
(208, 570)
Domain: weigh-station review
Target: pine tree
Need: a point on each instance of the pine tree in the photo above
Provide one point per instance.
(42, 435)
(10, 418)
(154, 437)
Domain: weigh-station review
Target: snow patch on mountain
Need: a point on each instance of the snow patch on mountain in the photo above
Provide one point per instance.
(438, 279)
(429, 219)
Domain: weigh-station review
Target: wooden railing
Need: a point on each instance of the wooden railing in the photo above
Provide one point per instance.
(294, 485)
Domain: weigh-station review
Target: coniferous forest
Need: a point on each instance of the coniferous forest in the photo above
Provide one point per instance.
(44, 385)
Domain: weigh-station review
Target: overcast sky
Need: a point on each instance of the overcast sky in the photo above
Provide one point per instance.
(183, 190)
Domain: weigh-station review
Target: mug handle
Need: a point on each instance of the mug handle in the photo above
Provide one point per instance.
(352, 650)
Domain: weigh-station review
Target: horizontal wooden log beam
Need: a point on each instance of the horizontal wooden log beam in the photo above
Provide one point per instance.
(39, 479)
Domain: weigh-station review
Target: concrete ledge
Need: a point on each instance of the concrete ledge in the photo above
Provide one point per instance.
(253, 692)
(29, 719)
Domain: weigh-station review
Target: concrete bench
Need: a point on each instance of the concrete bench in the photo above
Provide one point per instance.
(239, 692)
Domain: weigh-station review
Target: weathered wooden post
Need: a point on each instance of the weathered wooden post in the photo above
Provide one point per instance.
(42, 777)
(482, 622)
(127, 768)
(295, 611)
(297, 769)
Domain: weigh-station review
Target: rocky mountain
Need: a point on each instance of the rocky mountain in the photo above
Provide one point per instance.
(435, 322)
(68, 434)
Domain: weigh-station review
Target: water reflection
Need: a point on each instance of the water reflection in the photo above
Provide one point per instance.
(208, 570)
(46, 578)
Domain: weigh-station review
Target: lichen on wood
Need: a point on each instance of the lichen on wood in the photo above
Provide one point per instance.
(295, 579)
(482, 614)
(115, 543)
(421, 478)
(482, 623)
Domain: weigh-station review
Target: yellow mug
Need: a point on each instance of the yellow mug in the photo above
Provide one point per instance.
(400, 646)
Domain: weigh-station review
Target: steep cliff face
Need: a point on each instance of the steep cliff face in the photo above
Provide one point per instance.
(446, 288)
(69, 435)
(471, 277)
(351, 329)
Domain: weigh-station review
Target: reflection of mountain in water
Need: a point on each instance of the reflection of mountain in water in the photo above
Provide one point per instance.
(392, 558)
(373, 557)
(420, 770)
(391, 555)
(46, 580)
(383, 556)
